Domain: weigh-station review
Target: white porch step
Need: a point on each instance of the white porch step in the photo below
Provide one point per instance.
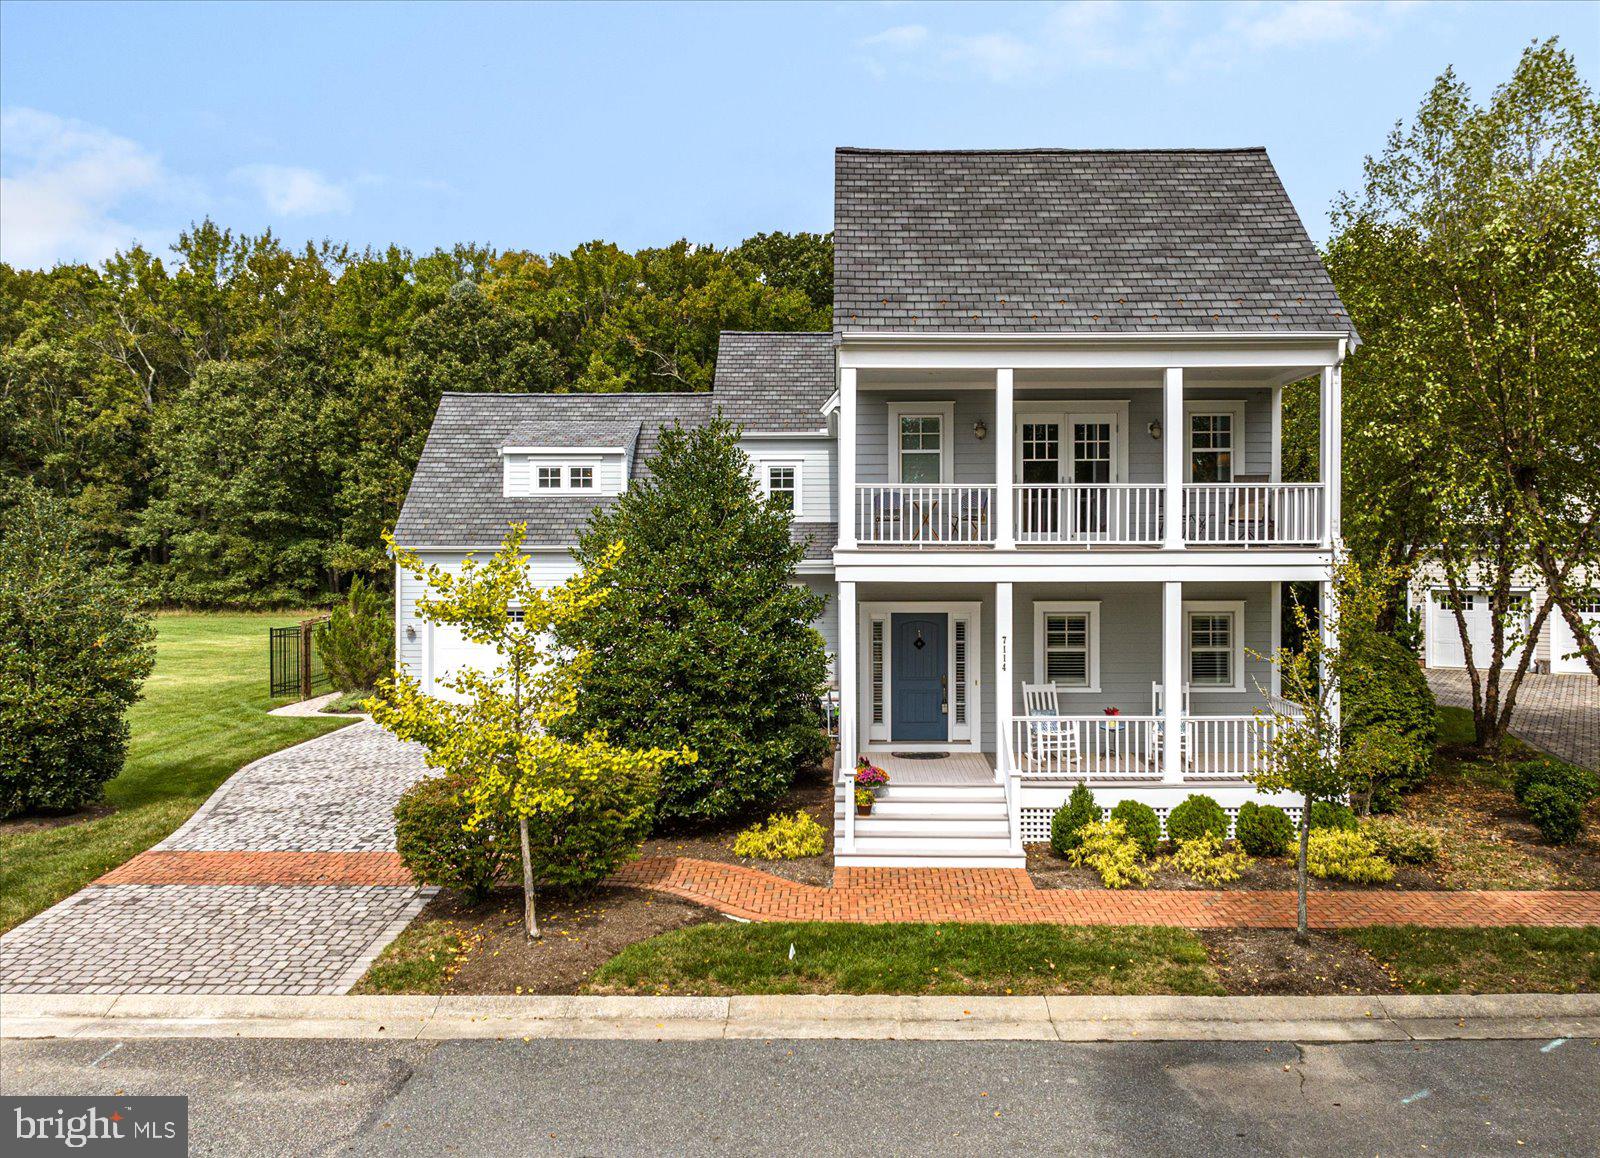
(976, 827)
(931, 809)
(937, 793)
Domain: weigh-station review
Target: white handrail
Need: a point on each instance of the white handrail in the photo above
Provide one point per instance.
(849, 782)
(1254, 514)
(1231, 747)
(1107, 748)
(1127, 513)
(1014, 809)
(922, 514)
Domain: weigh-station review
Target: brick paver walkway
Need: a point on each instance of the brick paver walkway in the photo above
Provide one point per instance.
(889, 894)
(1559, 714)
(285, 881)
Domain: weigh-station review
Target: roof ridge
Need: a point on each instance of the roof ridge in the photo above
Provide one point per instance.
(585, 394)
(1047, 150)
(779, 333)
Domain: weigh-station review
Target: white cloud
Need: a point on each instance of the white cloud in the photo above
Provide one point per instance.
(1177, 37)
(63, 184)
(295, 192)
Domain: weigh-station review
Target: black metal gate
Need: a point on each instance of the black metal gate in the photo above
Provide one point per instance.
(295, 668)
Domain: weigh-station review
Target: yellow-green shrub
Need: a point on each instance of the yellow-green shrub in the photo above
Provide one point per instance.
(1340, 854)
(1106, 847)
(1208, 861)
(1400, 841)
(782, 837)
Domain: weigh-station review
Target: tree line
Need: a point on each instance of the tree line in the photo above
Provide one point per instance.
(237, 423)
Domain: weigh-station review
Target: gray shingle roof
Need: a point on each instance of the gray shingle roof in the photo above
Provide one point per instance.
(1064, 240)
(621, 433)
(456, 495)
(775, 383)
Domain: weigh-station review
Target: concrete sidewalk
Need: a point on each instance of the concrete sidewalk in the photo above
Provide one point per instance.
(1375, 1018)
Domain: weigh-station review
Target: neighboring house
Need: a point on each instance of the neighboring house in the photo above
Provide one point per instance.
(1554, 648)
(1037, 463)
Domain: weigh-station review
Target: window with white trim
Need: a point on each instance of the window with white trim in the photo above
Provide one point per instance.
(1213, 646)
(1066, 639)
(581, 478)
(921, 448)
(549, 478)
(1211, 438)
(782, 485)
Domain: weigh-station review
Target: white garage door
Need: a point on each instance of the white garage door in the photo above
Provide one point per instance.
(1562, 642)
(450, 653)
(1444, 634)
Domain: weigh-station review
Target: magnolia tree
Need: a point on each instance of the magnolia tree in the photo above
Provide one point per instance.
(582, 805)
(1311, 753)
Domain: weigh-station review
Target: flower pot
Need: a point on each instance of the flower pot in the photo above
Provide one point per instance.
(864, 808)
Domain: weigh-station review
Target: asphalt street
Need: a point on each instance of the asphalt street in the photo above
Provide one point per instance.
(292, 1097)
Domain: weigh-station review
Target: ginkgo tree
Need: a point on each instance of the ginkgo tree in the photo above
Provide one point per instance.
(582, 805)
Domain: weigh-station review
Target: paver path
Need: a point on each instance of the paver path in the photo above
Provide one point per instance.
(285, 881)
(925, 894)
(1559, 714)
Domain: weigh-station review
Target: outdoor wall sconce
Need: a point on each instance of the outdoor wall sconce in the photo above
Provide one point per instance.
(411, 631)
(1155, 430)
(979, 430)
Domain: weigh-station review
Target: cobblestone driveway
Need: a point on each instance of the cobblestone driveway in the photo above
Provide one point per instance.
(285, 881)
(1558, 714)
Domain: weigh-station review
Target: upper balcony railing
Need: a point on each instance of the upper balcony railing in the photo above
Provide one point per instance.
(1091, 514)
(925, 514)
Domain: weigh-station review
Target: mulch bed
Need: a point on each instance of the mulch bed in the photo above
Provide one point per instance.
(1272, 962)
(18, 825)
(812, 792)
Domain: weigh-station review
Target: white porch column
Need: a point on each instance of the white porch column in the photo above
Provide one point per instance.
(1328, 627)
(1276, 683)
(1333, 446)
(1172, 722)
(849, 680)
(1004, 472)
(1174, 437)
(847, 458)
(1004, 689)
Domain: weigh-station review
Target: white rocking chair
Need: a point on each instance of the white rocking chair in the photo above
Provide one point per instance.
(1185, 757)
(1052, 743)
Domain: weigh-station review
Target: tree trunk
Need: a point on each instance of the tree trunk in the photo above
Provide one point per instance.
(530, 919)
(1302, 929)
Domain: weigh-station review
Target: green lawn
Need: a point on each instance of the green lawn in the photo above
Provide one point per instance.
(910, 958)
(203, 716)
(1515, 959)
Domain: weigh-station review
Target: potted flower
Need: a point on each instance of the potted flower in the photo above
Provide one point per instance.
(864, 800)
(1111, 718)
(871, 777)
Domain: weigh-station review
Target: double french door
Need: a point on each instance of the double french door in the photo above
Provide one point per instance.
(1081, 451)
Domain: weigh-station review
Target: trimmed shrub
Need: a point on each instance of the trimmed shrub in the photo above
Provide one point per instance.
(1106, 847)
(1558, 814)
(1386, 688)
(1263, 830)
(1342, 854)
(433, 843)
(75, 649)
(1079, 810)
(357, 641)
(1205, 858)
(782, 837)
(1400, 841)
(1196, 815)
(1579, 783)
(1331, 814)
(1142, 823)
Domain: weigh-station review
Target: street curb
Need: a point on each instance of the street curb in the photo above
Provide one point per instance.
(1055, 1018)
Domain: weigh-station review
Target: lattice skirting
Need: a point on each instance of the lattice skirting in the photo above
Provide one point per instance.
(1036, 821)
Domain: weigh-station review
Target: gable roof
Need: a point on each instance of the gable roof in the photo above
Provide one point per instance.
(1063, 240)
(456, 497)
(774, 383)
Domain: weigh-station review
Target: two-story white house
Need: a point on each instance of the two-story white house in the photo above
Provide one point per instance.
(1037, 465)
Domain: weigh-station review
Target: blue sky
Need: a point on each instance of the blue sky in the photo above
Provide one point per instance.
(541, 127)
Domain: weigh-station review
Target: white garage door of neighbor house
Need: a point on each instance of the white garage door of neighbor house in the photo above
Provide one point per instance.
(449, 653)
(1562, 642)
(1444, 635)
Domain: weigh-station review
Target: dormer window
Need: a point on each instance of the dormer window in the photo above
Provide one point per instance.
(581, 478)
(556, 472)
(549, 478)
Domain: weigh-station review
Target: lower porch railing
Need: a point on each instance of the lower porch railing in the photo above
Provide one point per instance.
(1121, 748)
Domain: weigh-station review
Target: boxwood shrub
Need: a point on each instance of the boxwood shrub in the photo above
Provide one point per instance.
(432, 842)
(1263, 829)
(1579, 783)
(1557, 812)
(1330, 814)
(1142, 823)
(1079, 810)
(1196, 815)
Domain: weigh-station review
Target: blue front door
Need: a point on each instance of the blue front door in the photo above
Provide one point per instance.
(918, 666)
